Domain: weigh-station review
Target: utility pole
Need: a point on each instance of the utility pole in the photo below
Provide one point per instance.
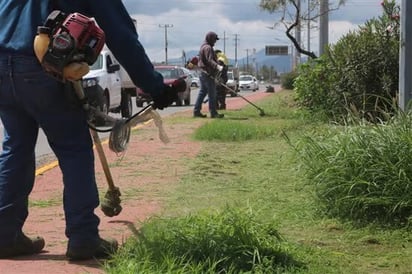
(405, 55)
(236, 39)
(224, 42)
(323, 26)
(165, 26)
(254, 64)
(247, 60)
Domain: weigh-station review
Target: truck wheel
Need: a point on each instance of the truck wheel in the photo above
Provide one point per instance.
(103, 106)
(98, 99)
(179, 102)
(187, 100)
(139, 102)
(126, 106)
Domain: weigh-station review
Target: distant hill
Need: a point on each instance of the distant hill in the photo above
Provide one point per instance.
(280, 63)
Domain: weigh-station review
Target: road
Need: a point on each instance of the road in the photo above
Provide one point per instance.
(43, 149)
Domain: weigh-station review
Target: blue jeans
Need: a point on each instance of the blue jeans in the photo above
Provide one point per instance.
(207, 87)
(30, 99)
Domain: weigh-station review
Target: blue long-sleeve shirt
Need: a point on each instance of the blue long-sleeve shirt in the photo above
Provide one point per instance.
(19, 20)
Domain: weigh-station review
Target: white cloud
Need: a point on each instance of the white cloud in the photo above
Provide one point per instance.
(337, 29)
(192, 19)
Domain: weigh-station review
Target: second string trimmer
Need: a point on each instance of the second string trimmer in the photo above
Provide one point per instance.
(261, 111)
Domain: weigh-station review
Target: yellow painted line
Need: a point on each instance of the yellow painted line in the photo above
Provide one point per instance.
(47, 167)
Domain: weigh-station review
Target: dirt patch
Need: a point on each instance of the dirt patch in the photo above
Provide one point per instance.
(146, 169)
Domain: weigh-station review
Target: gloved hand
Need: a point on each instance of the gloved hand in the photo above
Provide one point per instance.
(219, 68)
(169, 94)
(218, 78)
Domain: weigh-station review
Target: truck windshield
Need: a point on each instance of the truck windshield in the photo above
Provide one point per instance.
(98, 64)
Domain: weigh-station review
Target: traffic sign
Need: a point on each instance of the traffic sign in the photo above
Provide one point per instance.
(277, 50)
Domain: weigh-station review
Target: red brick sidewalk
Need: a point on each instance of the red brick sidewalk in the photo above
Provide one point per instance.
(140, 188)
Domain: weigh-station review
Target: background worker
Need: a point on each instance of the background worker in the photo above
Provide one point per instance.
(221, 79)
(209, 69)
(30, 98)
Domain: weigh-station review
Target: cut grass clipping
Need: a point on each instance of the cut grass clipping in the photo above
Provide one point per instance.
(230, 241)
(232, 131)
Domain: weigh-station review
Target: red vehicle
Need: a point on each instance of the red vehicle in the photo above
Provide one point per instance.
(170, 74)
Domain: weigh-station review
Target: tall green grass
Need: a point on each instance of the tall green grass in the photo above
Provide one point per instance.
(243, 206)
(363, 173)
(227, 241)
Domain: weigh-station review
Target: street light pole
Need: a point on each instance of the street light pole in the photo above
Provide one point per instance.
(236, 39)
(323, 26)
(309, 25)
(165, 26)
(405, 55)
(298, 36)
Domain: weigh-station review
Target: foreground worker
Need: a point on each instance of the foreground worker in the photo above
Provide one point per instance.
(30, 98)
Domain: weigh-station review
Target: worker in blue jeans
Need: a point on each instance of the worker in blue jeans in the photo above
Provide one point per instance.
(30, 98)
(209, 70)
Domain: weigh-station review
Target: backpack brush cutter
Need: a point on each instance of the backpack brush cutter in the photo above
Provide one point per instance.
(66, 45)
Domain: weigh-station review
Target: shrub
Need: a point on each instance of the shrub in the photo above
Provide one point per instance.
(287, 80)
(359, 74)
(317, 96)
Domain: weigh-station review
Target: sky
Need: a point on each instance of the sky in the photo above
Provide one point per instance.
(241, 25)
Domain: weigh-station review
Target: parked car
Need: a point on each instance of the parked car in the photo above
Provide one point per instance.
(195, 82)
(248, 82)
(232, 83)
(170, 74)
(193, 77)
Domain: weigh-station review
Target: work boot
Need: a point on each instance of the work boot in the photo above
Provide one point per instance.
(199, 115)
(104, 249)
(217, 115)
(22, 245)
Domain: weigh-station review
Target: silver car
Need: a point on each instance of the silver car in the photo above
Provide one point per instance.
(248, 82)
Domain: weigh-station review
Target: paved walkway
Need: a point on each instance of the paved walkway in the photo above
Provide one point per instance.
(146, 169)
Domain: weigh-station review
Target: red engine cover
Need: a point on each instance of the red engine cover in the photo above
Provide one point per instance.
(89, 38)
(73, 38)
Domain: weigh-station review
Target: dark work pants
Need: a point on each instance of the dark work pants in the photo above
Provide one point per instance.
(29, 99)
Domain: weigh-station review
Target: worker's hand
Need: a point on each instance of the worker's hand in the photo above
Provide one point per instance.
(169, 94)
(219, 67)
(218, 78)
(75, 71)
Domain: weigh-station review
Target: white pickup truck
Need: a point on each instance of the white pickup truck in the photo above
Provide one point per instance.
(108, 86)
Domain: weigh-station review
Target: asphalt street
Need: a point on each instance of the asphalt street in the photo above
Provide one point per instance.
(44, 153)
